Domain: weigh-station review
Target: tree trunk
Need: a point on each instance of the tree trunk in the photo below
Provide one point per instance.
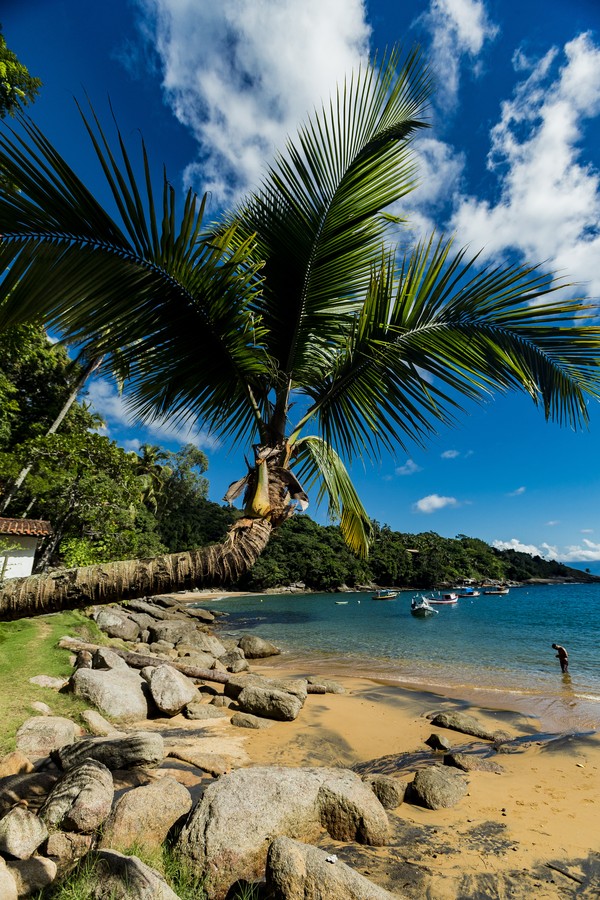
(215, 566)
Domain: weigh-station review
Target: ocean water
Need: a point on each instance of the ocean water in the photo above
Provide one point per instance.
(492, 650)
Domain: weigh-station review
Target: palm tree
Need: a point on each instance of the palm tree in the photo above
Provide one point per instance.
(289, 326)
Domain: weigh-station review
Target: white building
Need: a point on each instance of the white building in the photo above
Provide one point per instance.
(19, 539)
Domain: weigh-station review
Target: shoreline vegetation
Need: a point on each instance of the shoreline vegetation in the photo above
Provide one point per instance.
(524, 826)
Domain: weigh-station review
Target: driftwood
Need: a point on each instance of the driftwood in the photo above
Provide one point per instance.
(139, 660)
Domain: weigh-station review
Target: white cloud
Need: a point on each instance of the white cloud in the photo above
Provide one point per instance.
(587, 531)
(409, 468)
(549, 196)
(515, 544)
(517, 493)
(458, 28)
(106, 400)
(242, 74)
(553, 522)
(589, 552)
(433, 502)
(450, 454)
(440, 171)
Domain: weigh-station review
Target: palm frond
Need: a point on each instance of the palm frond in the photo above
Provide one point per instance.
(172, 303)
(317, 218)
(442, 331)
(319, 464)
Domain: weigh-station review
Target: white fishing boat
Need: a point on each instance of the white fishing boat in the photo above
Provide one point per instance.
(422, 608)
(447, 599)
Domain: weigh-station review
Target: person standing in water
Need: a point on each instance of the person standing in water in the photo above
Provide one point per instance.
(562, 656)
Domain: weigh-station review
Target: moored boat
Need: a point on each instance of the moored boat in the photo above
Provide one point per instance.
(384, 594)
(447, 599)
(497, 591)
(421, 608)
(341, 603)
(468, 592)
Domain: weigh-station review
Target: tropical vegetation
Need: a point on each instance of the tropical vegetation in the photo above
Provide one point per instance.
(290, 326)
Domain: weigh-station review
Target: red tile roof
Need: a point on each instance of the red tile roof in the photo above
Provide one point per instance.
(25, 526)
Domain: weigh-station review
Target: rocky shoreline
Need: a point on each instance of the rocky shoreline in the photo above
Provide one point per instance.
(169, 763)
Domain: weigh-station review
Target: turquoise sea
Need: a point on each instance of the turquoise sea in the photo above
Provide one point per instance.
(493, 651)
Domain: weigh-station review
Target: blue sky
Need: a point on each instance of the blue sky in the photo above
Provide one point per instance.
(511, 166)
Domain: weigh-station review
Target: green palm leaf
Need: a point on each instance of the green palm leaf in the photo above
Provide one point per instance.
(319, 464)
(441, 331)
(317, 218)
(172, 303)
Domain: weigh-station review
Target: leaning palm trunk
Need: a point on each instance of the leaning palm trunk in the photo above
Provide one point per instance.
(214, 566)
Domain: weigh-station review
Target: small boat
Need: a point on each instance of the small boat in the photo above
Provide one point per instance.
(421, 608)
(468, 592)
(449, 599)
(497, 591)
(384, 594)
(341, 603)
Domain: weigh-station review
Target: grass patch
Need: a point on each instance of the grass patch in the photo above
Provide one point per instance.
(176, 872)
(28, 647)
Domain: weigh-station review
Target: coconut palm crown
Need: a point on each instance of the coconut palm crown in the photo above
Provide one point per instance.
(290, 326)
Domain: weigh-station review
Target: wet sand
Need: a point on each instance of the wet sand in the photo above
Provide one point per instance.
(530, 831)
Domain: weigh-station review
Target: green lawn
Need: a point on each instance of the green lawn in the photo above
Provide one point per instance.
(28, 647)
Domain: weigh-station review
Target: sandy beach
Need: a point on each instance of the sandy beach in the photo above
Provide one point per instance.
(530, 831)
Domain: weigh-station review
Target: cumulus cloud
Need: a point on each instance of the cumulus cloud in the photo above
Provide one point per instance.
(549, 196)
(517, 493)
(515, 544)
(241, 75)
(459, 28)
(433, 502)
(106, 400)
(409, 468)
(589, 552)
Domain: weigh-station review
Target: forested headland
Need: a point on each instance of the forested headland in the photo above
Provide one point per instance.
(105, 503)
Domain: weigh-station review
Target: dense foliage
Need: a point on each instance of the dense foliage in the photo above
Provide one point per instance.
(102, 502)
(302, 551)
(17, 86)
(106, 504)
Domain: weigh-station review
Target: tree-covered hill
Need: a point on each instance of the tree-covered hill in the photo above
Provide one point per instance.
(303, 551)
